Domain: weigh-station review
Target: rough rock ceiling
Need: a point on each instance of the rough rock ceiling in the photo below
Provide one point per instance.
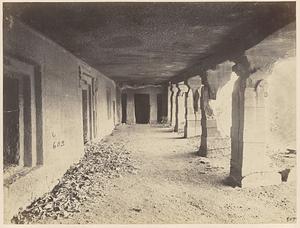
(141, 43)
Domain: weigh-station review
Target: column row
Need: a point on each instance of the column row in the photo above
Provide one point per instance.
(192, 112)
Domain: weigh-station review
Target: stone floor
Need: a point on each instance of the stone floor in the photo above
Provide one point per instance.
(174, 185)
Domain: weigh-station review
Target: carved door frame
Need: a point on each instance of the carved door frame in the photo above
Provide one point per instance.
(88, 82)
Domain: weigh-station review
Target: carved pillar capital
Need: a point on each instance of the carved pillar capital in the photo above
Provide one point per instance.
(174, 88)
(194, 83)
(182, 88)
(241, 66)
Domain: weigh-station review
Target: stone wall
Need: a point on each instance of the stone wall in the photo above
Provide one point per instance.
(281, 105)
(274, 60)
(61, 136)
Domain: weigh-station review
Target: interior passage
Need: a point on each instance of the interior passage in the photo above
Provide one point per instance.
(199, 96)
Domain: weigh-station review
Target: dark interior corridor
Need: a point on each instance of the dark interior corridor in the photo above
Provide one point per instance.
(124, 107)
(142, 108)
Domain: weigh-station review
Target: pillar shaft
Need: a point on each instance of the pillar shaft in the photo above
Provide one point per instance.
(180, 107)
(130, 108)
(210, 134)
(153, 108)
(169, 103)
(193, 115)
(198, 113)
(173, 105)
(189, 115)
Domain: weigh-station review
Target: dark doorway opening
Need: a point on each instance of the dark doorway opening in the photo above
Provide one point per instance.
(89, 102)
(90, 112)
(85, 115)
(11, 136)
(159, 108)
(124, 107)
(142, 108)
(21, 124)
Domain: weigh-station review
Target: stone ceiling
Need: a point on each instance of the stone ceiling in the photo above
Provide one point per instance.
(149, 43)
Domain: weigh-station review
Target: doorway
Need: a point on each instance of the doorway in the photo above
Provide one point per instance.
(11, 121)
(142, 108)
(17, 121)
(87, 114)
(22, 129)
(88, 85)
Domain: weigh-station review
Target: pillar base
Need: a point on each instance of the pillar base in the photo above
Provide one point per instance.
(214, 146)
(153, 122)
(255, 180)
(176, 128)
(179, 127)
(211, 128)
(130, 122)
(192, 128)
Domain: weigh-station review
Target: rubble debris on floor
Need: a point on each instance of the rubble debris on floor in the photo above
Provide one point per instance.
(83, 180)
(173, 185)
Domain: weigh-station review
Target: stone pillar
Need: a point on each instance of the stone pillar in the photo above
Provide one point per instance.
(249, 165)
(173, 104)
(180, 107)
(170, 104)
(153, 108)
(165, 102)
(130, 108)
(193, 114)
(210, 136)
(198, 113)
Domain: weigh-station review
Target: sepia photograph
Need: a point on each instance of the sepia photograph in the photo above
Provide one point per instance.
(149, 112)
